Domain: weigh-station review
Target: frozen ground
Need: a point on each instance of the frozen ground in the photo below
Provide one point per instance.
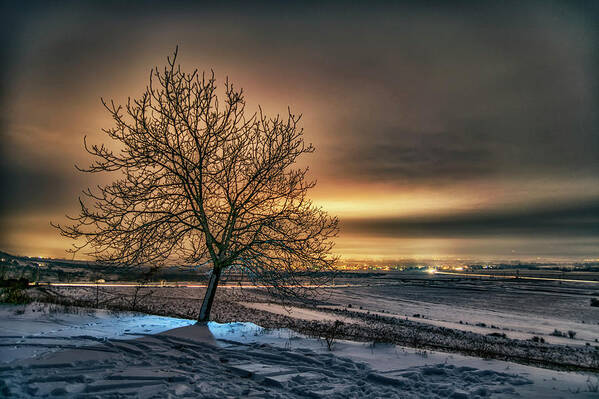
(29, 331)
(89, 353)
(519, 308)
(477, 317)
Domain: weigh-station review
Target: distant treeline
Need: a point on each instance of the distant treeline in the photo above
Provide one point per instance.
(14, 267)
(58, 270)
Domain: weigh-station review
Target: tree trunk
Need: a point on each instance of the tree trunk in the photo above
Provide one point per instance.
(209, 297)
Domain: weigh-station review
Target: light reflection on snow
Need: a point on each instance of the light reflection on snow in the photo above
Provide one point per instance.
(45, 327)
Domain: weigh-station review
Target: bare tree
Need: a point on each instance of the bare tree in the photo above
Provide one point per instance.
(202, 182)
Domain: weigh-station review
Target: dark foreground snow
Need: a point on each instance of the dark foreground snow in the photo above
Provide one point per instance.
(183, 362)
(242, 360)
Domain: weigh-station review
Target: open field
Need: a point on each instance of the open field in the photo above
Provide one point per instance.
(538, 322)
(393, 334)
(51, 350)
(519, 308)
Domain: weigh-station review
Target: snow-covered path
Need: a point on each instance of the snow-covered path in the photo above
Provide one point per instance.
(243, 360)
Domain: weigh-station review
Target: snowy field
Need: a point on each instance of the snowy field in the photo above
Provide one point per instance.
(535, 322)
(519, 308)
(48, 350)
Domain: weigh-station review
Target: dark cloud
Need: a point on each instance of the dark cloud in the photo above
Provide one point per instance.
(572, 221)
(33, 188)
(504, 94)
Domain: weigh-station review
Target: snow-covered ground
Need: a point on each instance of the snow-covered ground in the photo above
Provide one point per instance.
(40, 328)
(46, 350)
(514, 324)
(520, 309)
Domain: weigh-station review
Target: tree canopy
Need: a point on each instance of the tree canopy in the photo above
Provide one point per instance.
(200, 181)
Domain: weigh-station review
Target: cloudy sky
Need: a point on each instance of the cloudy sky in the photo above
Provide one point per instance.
(462, 130)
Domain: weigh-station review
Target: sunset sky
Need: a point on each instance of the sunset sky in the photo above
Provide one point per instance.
(441, 131)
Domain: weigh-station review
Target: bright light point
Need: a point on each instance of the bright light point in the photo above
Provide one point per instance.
(431, 271)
